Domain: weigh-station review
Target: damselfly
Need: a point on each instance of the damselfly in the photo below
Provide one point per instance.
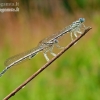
(46, 45)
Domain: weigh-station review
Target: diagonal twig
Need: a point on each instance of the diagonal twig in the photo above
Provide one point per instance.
(45, 66)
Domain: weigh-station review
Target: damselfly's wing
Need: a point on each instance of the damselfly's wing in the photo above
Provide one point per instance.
(20, 57)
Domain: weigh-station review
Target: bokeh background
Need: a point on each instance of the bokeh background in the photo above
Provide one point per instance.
(76, 74)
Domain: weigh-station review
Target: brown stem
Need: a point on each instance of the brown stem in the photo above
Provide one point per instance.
(45, 66)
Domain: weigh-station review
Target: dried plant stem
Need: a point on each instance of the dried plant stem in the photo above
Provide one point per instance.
(45, 66)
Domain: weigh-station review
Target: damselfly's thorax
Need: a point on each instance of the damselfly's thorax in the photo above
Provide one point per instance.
(77, 24)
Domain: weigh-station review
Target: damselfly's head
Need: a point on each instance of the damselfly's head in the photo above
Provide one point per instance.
(82, 20)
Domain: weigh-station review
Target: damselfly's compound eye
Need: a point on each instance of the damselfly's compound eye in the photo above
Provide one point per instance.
(81, 20)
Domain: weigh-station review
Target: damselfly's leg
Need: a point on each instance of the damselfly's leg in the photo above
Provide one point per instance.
(83, 25)
(71, 36)
(45, 53)
(52, 52)
(78, 31)
(47, 50)
(58, 46)
(46, 57)
(75, 34)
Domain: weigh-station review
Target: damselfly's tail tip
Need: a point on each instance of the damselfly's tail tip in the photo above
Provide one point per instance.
(1, 74)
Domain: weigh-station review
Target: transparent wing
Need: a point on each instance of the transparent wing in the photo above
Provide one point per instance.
(55, 36)
(25, 55)
(19, 58)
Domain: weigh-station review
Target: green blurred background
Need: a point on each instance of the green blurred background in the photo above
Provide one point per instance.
(76, 74)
